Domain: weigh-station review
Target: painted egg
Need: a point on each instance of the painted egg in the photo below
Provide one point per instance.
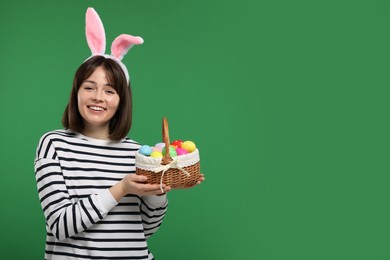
(181, 151)
(177, 143)
(189, 146)
(156, 149)
(145, 150)
(172, 151)
(156, 154)
(160, 145)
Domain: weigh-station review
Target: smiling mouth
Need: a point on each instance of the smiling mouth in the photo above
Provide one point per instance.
(95, 108)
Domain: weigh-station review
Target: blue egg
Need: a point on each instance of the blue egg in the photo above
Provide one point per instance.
(145, 150)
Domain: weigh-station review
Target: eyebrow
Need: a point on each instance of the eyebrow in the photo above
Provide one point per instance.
(93, 82)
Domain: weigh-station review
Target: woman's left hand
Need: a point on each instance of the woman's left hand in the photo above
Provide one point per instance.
(200, 180)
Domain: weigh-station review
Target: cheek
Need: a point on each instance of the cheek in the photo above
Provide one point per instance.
(114, 102)
(80, 97)
(79, 101)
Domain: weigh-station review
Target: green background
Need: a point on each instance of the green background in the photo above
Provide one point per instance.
(286, 100)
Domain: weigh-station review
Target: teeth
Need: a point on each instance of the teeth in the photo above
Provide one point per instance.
(96, 108)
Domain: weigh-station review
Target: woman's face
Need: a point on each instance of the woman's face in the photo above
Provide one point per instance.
(97, 100)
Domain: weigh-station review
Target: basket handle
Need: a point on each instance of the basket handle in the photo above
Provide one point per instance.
(165, 135)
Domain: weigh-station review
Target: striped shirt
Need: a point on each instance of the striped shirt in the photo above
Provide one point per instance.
(83, 220)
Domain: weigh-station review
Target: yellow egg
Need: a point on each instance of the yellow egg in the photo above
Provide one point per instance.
(156, 154)
(189, 146)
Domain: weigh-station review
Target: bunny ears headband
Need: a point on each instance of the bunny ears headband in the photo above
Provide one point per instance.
(96, 39)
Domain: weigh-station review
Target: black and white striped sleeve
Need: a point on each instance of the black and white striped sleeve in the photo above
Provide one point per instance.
(153, 209)
(65, 218)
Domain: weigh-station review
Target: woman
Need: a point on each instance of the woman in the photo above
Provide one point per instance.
(94, 206)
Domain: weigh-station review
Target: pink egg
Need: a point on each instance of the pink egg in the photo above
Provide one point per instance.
(157, 149)
(181, 151)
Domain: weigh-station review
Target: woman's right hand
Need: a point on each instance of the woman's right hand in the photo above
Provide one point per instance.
(136, 184)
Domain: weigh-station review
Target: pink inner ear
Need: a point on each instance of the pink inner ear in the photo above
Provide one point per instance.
(123, 43)
(94, 31)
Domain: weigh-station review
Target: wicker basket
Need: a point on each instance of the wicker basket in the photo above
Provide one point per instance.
(178, 172)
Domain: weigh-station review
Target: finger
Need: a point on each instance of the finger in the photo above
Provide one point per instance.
(158, 191)
(151, 187)
(139, 178)
(165, 189)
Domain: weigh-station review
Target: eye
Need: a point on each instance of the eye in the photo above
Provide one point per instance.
(87, 87)
(110, 91)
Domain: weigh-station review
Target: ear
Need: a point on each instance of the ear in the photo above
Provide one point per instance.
(123, 43)
(94, 30)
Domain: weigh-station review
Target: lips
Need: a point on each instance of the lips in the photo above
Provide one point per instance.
(96, 108)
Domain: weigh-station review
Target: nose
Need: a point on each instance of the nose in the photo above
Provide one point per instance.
(97, 96)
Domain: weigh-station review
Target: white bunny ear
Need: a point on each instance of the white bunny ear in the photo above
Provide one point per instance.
(94, 29)
(123, 43)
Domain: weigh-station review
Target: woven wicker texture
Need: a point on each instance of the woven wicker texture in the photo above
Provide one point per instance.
(173, 177)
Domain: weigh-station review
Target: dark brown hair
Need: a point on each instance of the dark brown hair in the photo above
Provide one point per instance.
(120, 124)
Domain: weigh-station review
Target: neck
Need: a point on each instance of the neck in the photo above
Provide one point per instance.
(97, 132)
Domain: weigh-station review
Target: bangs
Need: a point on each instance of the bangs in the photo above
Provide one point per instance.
(114, 75)
(110, 76)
